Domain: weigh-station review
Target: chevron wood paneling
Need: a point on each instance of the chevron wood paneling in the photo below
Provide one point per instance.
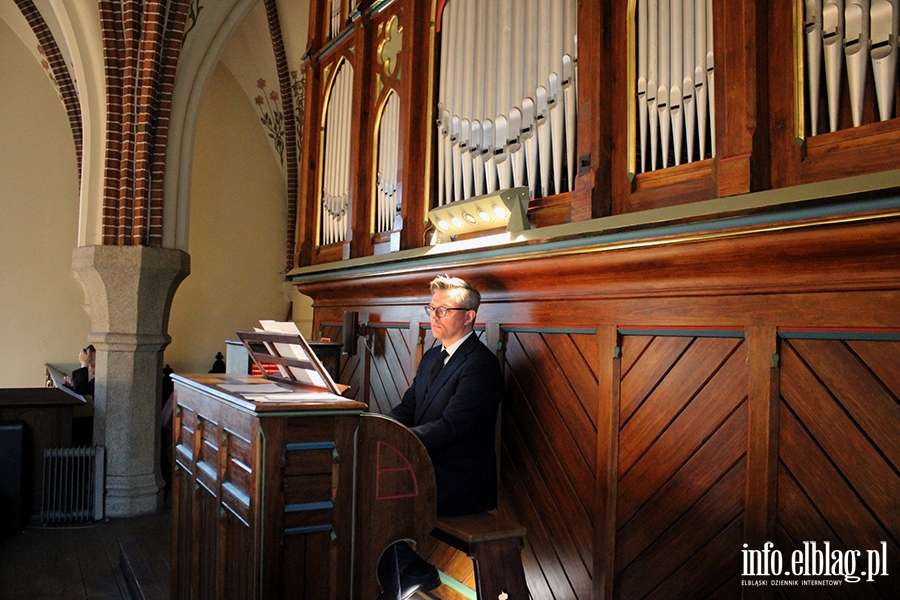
(839, 453)
(549, 450)
(670, 400)
(391, 369)
(684, 463)
(682, 467)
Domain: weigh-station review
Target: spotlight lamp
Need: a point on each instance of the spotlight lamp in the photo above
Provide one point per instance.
(507, 208)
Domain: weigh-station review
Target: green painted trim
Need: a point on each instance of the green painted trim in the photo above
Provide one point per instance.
(457, 586)
(331, 45)
(877, 336)
(299, 446)
(571, 330)
(387, 325)
(307, 529)
(803, 203)
(716, 333)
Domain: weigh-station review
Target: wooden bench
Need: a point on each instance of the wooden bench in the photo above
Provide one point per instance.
(494, 544)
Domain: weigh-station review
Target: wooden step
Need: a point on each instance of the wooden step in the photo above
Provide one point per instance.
(145, 566)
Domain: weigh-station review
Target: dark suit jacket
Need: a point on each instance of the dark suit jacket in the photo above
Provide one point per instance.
(82, 382)
(456, 423)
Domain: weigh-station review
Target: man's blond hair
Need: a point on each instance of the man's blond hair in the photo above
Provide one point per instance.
(461, 291)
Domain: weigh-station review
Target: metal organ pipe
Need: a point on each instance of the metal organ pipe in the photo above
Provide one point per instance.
(675, 103)
(529, 125)
(812, 29)
(642, 81)
(653, 76)
(885, 34)
(570, 88)
(676, 55)
(856, 52)
(662, 93)
(336, 158)
(508, 78)
(343, 143)
(687, 84)
(555, 102)
(386, 205)
(832, 35)
(700, 87)
(504, 87)
(336, 17)
(844, 35)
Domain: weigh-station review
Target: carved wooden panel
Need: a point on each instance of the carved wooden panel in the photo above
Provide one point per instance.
(682, 447)
(839, 453)
(237, 545)
(206, 531)
(183, 533)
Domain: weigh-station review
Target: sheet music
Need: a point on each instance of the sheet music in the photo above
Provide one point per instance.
(307, 376)
(58, 376)
(279, 326)
(281, 342)
(254, 388)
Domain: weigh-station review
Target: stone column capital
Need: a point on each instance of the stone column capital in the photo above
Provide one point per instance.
(129, 289)
(128, 293)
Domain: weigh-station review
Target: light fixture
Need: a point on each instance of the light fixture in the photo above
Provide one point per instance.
(503, 208)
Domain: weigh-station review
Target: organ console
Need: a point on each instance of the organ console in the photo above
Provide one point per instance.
(286, 490)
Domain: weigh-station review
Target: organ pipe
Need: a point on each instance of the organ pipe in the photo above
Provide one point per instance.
(508, 75)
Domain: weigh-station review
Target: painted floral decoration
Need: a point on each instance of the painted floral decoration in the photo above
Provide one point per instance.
(271, 116)
(298, 85)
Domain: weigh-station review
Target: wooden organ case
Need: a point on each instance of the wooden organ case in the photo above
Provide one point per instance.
(281, 490)
(766, 210)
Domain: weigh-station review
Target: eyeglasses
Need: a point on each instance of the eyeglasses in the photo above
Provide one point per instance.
(441, 311)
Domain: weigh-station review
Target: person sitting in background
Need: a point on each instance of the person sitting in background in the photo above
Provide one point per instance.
(81, 381)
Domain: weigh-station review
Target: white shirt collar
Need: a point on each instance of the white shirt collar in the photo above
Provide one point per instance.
(455, 346)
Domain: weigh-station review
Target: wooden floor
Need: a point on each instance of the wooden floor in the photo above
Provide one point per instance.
(84, 562)
(128, 559)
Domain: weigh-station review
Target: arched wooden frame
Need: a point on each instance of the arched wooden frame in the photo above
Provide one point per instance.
(376, 158)
(331, 77)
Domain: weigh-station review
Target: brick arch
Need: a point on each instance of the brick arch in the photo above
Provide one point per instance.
(60, 73)
(290, 125)
(204, 47)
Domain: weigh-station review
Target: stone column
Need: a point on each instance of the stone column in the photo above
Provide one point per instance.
(128, 292)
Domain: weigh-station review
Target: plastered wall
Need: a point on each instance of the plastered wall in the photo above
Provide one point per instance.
(41, 314)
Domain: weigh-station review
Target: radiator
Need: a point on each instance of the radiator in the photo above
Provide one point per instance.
(73, 485)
